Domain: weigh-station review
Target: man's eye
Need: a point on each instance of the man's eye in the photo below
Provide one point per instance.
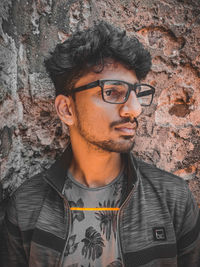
(110, 92)
(138, 89)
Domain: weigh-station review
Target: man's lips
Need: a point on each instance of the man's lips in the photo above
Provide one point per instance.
(128, 129)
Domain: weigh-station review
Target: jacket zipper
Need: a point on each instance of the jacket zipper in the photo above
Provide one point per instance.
(118, 224)
(69, 228)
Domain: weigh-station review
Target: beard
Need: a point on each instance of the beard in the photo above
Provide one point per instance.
(125, 144)
(112, 146)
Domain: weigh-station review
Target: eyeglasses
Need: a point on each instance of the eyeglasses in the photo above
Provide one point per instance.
(117, 92)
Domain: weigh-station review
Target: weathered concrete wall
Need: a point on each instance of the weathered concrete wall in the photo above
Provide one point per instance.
(31, 135)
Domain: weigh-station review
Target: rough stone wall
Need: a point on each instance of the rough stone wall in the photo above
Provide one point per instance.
(31, 135)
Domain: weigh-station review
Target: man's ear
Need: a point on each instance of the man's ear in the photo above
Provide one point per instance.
(63, 105)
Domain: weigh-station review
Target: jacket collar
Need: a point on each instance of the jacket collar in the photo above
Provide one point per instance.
(56, 174)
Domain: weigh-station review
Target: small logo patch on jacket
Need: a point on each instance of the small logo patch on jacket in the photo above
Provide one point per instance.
(159, 234)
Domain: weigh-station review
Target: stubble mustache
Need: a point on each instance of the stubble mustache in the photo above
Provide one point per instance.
(124, 120)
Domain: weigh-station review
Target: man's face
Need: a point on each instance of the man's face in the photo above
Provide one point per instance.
(107, 127)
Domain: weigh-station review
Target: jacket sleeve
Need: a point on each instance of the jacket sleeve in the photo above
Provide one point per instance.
(13, 253)
(188, 241)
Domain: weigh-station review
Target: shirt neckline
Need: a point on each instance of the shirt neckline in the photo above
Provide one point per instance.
(73, 180)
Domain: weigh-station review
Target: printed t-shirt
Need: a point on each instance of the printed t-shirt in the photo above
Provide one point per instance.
(93, 239)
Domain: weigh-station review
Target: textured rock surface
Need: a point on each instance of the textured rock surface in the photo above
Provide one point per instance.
(31, 135)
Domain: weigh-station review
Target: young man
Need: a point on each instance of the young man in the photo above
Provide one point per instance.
(98, 205)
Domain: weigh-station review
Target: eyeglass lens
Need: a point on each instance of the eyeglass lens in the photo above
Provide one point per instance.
(116, 92)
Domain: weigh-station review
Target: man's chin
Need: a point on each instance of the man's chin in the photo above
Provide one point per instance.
(119, 147)
(128, 137)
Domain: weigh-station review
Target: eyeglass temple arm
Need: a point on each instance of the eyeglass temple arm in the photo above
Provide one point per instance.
(151, 91)
(88, 86)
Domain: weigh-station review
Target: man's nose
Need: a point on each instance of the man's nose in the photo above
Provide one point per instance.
(132, 107)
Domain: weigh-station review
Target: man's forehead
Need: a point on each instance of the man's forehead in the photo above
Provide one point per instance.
(111, 70)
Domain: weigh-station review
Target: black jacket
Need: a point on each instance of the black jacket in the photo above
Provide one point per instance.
(158, 223)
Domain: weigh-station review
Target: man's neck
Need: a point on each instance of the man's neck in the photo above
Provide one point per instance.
(94, 167)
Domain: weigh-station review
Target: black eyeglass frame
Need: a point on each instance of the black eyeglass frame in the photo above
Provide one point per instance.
(131, 87)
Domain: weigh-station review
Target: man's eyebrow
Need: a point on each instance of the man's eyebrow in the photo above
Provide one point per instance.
(115, 83)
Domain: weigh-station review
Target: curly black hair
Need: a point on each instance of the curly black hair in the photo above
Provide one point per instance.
(86, 50)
